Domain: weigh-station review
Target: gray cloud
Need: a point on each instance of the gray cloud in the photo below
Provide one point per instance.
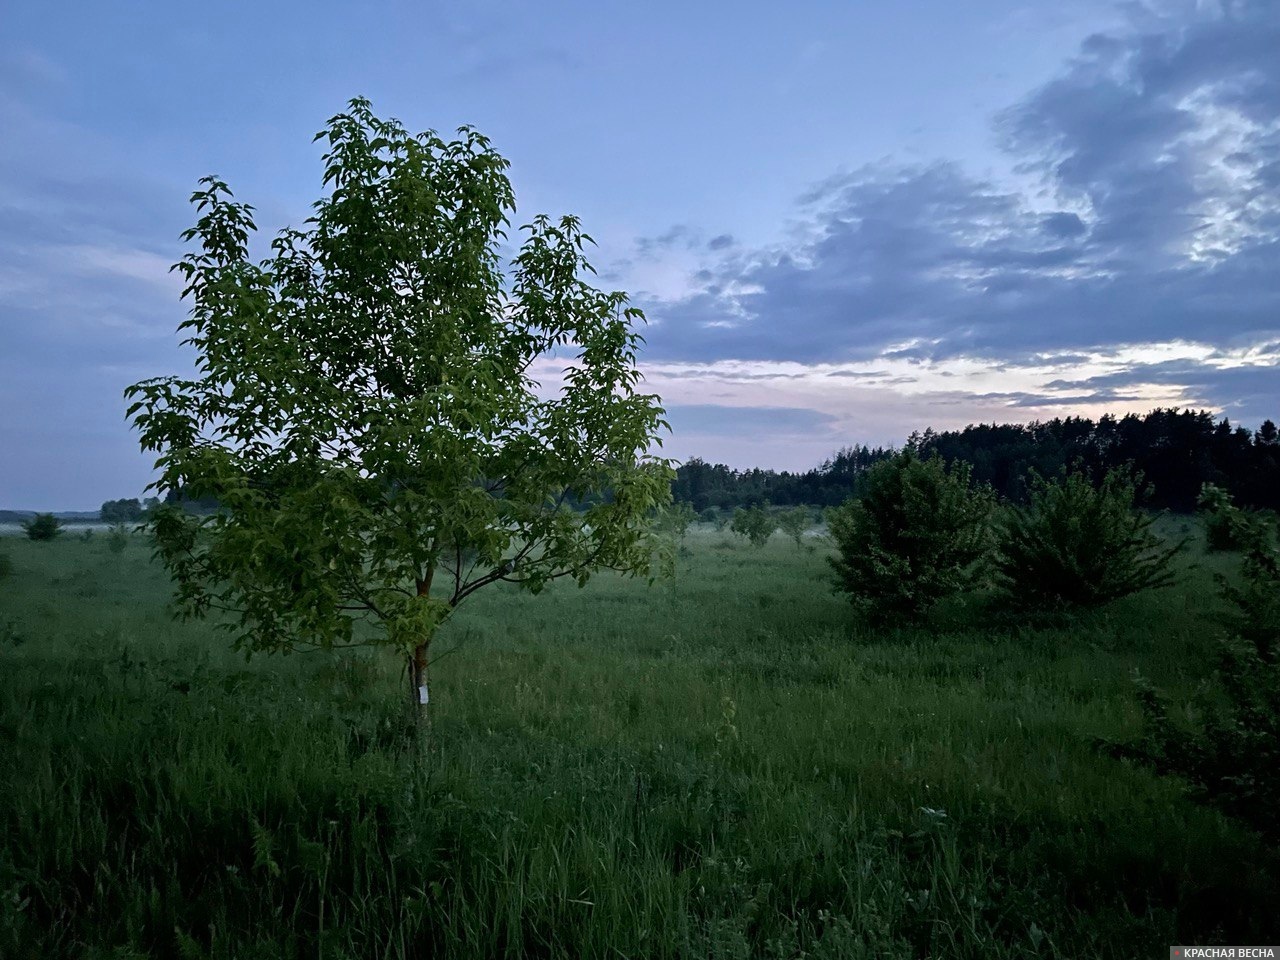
(757, 422)
(679, 236)
(1247, 392)
(1154, 215)
(1063, 226)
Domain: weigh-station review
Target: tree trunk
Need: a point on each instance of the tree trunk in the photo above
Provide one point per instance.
(419, 697)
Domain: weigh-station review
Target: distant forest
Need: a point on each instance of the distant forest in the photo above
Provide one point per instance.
(1177, 452)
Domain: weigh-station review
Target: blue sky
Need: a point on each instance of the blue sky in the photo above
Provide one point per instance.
(844, 221)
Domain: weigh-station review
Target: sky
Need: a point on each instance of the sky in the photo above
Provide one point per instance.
(844, 221)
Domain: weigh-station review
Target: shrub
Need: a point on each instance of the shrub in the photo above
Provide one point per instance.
(1079, 545)
(43, 526)
(794, 523)
(913, 537)
(1224, 525)
(6, 565)
(117, 538)
(754, 523)
(1257, 601)
(1229, 749)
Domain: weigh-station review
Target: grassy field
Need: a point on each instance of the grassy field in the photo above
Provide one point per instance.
(721, 766)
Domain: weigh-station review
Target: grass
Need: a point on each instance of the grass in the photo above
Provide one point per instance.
(722, 766)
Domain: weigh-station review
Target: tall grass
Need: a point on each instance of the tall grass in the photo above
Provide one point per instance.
(726, 766)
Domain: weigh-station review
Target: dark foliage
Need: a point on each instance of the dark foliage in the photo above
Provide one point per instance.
(121, 511)
(43, 526)
(829, 485)
(1228, 747)
(1177, 451)
(1077, 544)
(1226, 526)
(913, 537)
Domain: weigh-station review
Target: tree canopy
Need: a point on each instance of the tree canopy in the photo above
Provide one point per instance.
(365, 412)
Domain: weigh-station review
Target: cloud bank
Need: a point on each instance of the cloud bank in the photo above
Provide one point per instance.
(1144, 213)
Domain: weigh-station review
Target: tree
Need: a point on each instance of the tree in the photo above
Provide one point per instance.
(754, 523)
(913, 537)
(120, 511)
(365, 415)
(1228, 748)
(1079, 545)
(794, 523)
(43, 526)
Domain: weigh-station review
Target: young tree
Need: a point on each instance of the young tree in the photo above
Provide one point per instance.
(365, 413)
(675, 519)
(43, 526)
(794, 523)
(1077, 545)
(117, 538)
(914, 536)
(754, 523)
(1228, 748)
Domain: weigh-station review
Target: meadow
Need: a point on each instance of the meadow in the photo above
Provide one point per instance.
(724, 765)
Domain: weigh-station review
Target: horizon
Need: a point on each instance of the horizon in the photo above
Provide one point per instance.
(739, 469)
(841, 227)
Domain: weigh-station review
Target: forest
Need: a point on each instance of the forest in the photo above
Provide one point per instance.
(1176, 451)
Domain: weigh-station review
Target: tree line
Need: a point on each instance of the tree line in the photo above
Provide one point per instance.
(1176, 451)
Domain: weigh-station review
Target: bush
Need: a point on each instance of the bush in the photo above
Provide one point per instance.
(754, 523)
(1225, 526)
(1229, 749)
(117, 538)
(43, 526)
(913, 537)
(1079, 545)
(6, 565)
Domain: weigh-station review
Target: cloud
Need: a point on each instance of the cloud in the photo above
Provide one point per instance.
(882, 399)
(1063, 226)
(1145, 210)
(759, 423)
